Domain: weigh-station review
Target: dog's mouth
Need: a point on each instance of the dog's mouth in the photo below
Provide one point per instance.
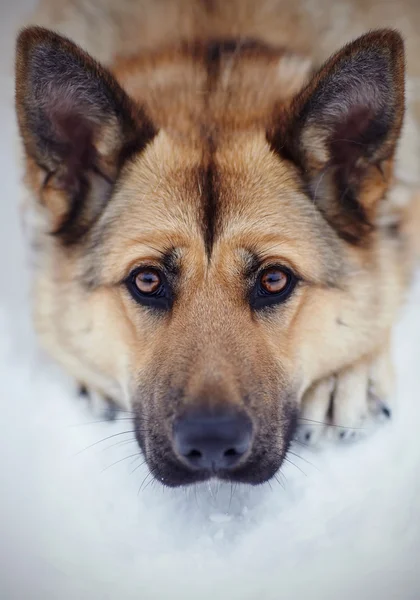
(254, 464)
(173, 473)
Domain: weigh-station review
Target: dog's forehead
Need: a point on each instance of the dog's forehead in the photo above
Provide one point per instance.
(239, 196)
(183, 188)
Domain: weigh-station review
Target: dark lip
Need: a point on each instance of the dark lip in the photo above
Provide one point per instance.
(253, 472)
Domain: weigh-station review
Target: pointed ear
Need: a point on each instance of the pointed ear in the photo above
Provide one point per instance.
(342, 130)
(78, 127)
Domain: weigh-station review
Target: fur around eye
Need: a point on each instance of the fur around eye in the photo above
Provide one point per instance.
(273, 286)
(149, 287)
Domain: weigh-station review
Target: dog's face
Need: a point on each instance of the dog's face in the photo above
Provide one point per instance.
(208, 272)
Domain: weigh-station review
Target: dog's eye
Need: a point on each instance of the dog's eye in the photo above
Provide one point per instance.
(148, 281)
(274, 285)
(274, 281)
(149, 287)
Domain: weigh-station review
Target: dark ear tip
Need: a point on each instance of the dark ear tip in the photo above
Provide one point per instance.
(30, 36)
(387, 39)
(28, 40)
(33, 37)
(388, 36)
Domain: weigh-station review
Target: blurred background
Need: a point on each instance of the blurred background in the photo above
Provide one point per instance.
(80, 517)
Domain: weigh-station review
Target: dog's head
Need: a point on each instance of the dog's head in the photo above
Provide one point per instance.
(210, 235)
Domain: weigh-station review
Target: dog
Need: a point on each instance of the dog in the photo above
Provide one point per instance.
(225, 219)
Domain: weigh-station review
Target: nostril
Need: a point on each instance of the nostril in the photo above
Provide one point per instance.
(231, 452)
(194, 454)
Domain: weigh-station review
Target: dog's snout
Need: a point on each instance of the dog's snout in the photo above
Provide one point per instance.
(212, 441)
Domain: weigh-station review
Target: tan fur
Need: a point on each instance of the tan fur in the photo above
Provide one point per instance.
(337, 324)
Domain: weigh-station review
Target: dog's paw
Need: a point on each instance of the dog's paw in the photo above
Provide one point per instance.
(347, 405)
(102, 407)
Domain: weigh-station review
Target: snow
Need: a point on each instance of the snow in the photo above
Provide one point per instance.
(77, 522)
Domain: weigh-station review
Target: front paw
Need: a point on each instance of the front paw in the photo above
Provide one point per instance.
(346, 406)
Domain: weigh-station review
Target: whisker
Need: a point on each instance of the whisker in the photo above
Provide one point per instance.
(138, 466)
(210, 489)
(123, 443)
(104, 440)
(145, 479)
(155, 478)
(330, 424)
(119, 461)
(313, 422)
(296, 441)
(233, 487)
(283, 476)
(138, 456)
(100, 421)
(279, 482)
(195, 494)
(292, 463)
(320, 178)
(151, 481)
(302, 458)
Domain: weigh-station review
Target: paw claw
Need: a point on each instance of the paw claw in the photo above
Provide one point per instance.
(349, 435)
(378, 406)
(111, 410)
(386, 411)
(83, 392)
(307, 436)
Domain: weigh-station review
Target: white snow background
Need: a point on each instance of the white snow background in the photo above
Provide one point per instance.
(74, 526)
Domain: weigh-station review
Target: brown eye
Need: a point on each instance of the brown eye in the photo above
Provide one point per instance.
(274, 281)
(148, 281)
(149, 287)
(273, 286)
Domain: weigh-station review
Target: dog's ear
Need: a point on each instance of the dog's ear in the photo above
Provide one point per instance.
(78, 127)
(342, 130)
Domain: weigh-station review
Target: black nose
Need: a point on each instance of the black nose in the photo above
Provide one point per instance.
(212, 441)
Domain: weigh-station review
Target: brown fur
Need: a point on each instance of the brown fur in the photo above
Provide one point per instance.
(213, 157)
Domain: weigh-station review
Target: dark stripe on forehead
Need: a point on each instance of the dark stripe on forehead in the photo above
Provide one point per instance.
(214, 53)
(209, 205)
(217, 55)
